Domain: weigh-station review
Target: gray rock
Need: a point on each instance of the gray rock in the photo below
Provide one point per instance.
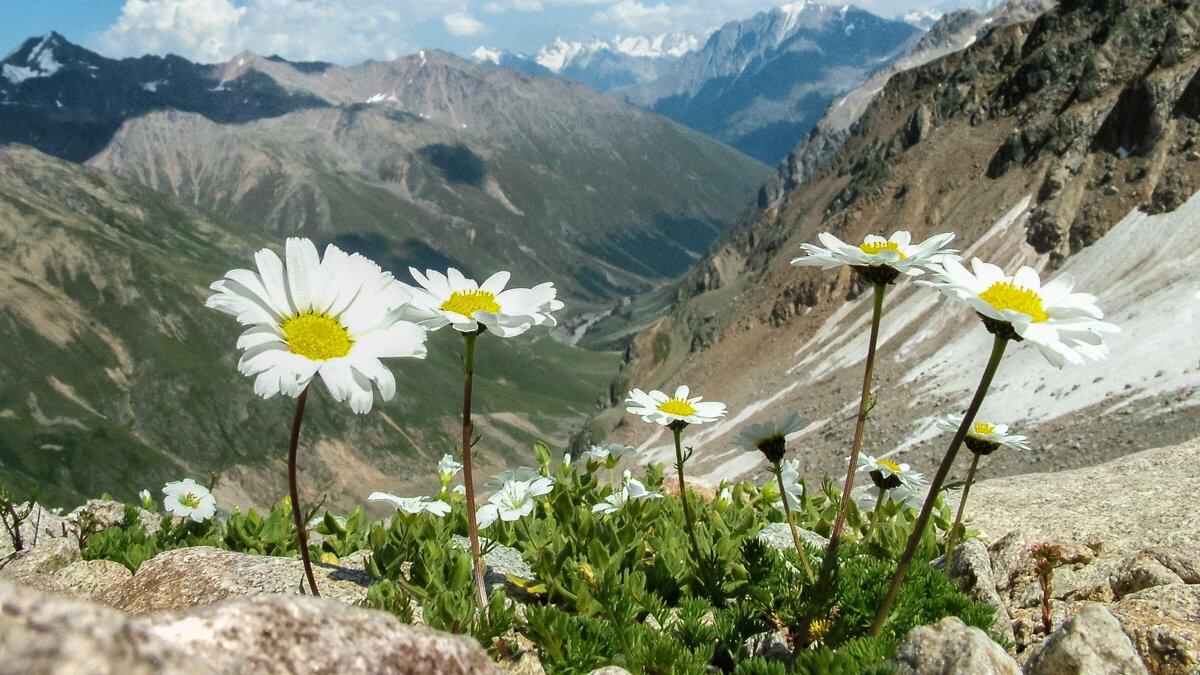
(1011, 563)
(39, 526)
(501, 561)
(1164, 624)
(1090, 643)
(50, 555)
(41, 633)
(1141, 571)
(951, 647)
(1184, 562)
(202, 575)
(91, 578)
(102, 513)
(779, 537)
(610, 670)
(771, 645)
(971, 569)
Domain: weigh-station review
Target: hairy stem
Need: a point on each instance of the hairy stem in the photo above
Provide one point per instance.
(864, 407)
(15, 531)
(952, 538)
(787, 512)
(935, 487)
(468, 480)
(294, 492)
(683, 498)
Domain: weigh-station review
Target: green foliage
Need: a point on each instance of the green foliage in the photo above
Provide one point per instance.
(622, 588)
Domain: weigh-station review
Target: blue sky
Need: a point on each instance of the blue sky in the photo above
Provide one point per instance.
(348, 31)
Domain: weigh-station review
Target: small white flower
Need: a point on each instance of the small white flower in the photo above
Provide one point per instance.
(567, 459)
(335, 317)
(460, 490)
(144, 495)
(453, 300)
(889, 474)
(412, 505)
(187, 499)
(608, 452)
(985, 437)
(793, 490)
(1065, 326)
(659, 408)
(896, 252)
(448, 468)
(632, 489)
(513, 501)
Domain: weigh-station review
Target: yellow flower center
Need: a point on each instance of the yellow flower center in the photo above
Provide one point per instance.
(316, 336)
(984, 428)
(877, 247)
(190, 500)
(677, 406)
(889, 464)
(1006, 295)
(469, 302)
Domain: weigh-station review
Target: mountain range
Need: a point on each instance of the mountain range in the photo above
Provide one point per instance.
(1068, 143)
(758, 84)
(427, 159)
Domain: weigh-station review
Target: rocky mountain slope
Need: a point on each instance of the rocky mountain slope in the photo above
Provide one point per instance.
(427, 159)
(1067, 143)
(118, 378)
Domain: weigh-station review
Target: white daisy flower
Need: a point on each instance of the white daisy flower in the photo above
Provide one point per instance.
(188, 499)
(632, 489)
(513, 501)
(659, 408)
(985, 437)
(769, 437)
(896, 252)
(334, 316)
(453, 300)
(608, 452)
(448, 468)
(412, 505)
(889, 474)
(1063, 325)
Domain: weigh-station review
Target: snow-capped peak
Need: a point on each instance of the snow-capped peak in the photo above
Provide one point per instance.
(40, 62)
(562, 53)
(485, 55)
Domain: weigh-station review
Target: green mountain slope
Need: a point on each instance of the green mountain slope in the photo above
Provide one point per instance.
(116, 378)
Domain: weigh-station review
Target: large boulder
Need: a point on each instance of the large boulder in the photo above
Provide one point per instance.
(91, 578)
(1140, 571)
(950, 647)
(49, 556)
(97, 514)
(41, 633)
(202, 575)
(1090, 643)
(971, 570)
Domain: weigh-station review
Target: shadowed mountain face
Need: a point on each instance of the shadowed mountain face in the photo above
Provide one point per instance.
(1038, 146)
(117, 378)
(428, 157)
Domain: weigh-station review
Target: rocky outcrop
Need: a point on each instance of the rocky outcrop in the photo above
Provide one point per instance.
(201, 575)
(949, 647)
(1164, 624)
(267, 634)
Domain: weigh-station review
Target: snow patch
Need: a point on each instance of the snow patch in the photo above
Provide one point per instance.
(485, 55)
(39, 63)
(381, 98)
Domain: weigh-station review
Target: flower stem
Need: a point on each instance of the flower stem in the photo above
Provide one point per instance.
(939, 479)
(864, 407)
(294, 492)
(952, 538)
(875, 512)
(687, 508)
(468, 481)
(787, 512)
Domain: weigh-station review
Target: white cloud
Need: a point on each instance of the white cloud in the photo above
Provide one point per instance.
(633, 15)
(462, 24)
(214, 30)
